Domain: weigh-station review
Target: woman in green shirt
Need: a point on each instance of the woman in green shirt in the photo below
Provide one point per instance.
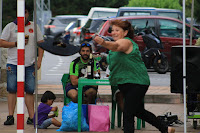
(128, 71)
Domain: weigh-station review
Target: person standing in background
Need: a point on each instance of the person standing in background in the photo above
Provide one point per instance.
(9, 40)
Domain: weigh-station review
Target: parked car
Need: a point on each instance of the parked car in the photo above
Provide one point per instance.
(100, 12)
(72, 31)
(76, 31)
(56, 25)
(90, 28)
(146, 11)
(195, 23)
(169, 29)
(66, 34)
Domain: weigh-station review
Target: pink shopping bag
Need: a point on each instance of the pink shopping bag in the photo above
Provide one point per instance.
(98, 116)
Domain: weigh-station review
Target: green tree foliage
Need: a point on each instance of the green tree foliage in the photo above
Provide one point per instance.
(61, 7)
(197, 10)
(172, 4)
(188, 6)
(82, 6)
(10, 10)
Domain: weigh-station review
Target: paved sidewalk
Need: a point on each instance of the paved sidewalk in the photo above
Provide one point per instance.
(157, 109)
(157, 101)
(104, 89)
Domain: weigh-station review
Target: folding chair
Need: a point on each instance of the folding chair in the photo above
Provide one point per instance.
(64, 79)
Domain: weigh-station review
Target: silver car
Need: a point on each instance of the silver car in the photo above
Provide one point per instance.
(56, 26)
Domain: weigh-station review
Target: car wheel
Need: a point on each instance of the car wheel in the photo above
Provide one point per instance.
(161, 65)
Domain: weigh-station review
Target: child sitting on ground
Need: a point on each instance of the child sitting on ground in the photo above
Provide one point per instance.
(44, 119)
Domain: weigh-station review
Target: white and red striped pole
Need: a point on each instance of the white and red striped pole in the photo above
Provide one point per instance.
(20, 65)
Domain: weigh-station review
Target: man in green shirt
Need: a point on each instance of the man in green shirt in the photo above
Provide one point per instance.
(78, 69)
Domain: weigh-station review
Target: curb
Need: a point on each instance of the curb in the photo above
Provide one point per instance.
(155, 94)
(162, 98)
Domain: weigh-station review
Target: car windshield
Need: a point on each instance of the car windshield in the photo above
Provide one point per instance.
(98, 14)
(136, 13)
(100, 27)
(171, 14)
(50, 22)
(93, 25)
(70, 26)
(67, 20)
(80, 23)
(140, 24)
(147, 12)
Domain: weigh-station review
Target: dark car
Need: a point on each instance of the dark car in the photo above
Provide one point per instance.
(169, 29)
(146, 11)
(56, 25)
(90, 28)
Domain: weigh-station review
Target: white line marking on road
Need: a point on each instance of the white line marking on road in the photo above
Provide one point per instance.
(52, 70)
(58, 65)
(53, 74)
(55, 68)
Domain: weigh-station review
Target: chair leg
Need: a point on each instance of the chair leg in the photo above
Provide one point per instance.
(139, 121)
(119, 116)
(68, 100)
(113, 114)
(114, 106)
(143, 124)
(65, 102)
(138, 124)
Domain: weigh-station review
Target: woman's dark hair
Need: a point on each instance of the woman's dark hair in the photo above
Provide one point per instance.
(125, 25)
(48, 95)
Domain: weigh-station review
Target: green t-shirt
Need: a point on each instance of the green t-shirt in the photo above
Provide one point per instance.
(127, 68)
(78, 67)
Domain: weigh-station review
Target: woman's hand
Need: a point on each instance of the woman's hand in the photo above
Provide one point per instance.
(122, 45)
(98, 40)
(111, 45)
